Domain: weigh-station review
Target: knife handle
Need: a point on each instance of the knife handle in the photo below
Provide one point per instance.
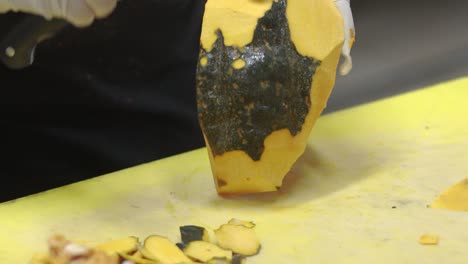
(19, 40)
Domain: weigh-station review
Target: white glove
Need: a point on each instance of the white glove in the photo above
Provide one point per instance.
(350, 33)
(80, 13)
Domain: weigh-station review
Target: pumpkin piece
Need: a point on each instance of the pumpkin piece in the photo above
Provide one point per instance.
(219, 261)
(57, 244)
(124, 245)
(137, 254)
(100, 257)
(137, 259)
(191, 233)
(181, 246)
(41, 259)
(161, 249)
(238, 259)
(238, 238)
(76, 250)
(266, 71)
(204, 251)
(454, 198)
(428, 239)
(235, 221)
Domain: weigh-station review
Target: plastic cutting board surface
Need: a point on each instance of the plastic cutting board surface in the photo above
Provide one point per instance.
(358, 194)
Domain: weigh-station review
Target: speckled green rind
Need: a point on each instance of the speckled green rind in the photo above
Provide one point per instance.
(239, 108)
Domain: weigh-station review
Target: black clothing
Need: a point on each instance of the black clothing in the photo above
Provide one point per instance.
(103, 98)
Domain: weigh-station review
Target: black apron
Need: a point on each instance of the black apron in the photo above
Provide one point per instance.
(100, 99)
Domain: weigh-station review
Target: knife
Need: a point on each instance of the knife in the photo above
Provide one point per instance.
(20, 33)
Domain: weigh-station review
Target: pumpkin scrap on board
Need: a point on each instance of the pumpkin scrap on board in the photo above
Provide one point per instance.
(232, 243)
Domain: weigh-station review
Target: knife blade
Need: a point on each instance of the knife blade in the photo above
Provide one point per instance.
(21, 33)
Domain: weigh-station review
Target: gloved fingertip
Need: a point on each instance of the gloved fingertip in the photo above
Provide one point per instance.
(82, 21)
(79, 14)
(5, 6)
(346, 66)
(102, 8)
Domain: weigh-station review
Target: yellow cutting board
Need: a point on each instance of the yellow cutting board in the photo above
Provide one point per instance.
(358, 195)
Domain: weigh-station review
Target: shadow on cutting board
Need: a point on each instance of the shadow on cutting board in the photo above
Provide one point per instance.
(316, 175)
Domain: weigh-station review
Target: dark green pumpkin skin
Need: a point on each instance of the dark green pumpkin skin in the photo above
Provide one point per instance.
(239, 108)
(191, 233)
(181, 246)
(237, 259)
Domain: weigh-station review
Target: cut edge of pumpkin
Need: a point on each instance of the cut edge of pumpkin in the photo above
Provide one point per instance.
(247, 13)
(324, 26)
(243, 12)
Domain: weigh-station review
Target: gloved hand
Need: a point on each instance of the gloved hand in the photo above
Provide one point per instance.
(350, 33)
(80, 13)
